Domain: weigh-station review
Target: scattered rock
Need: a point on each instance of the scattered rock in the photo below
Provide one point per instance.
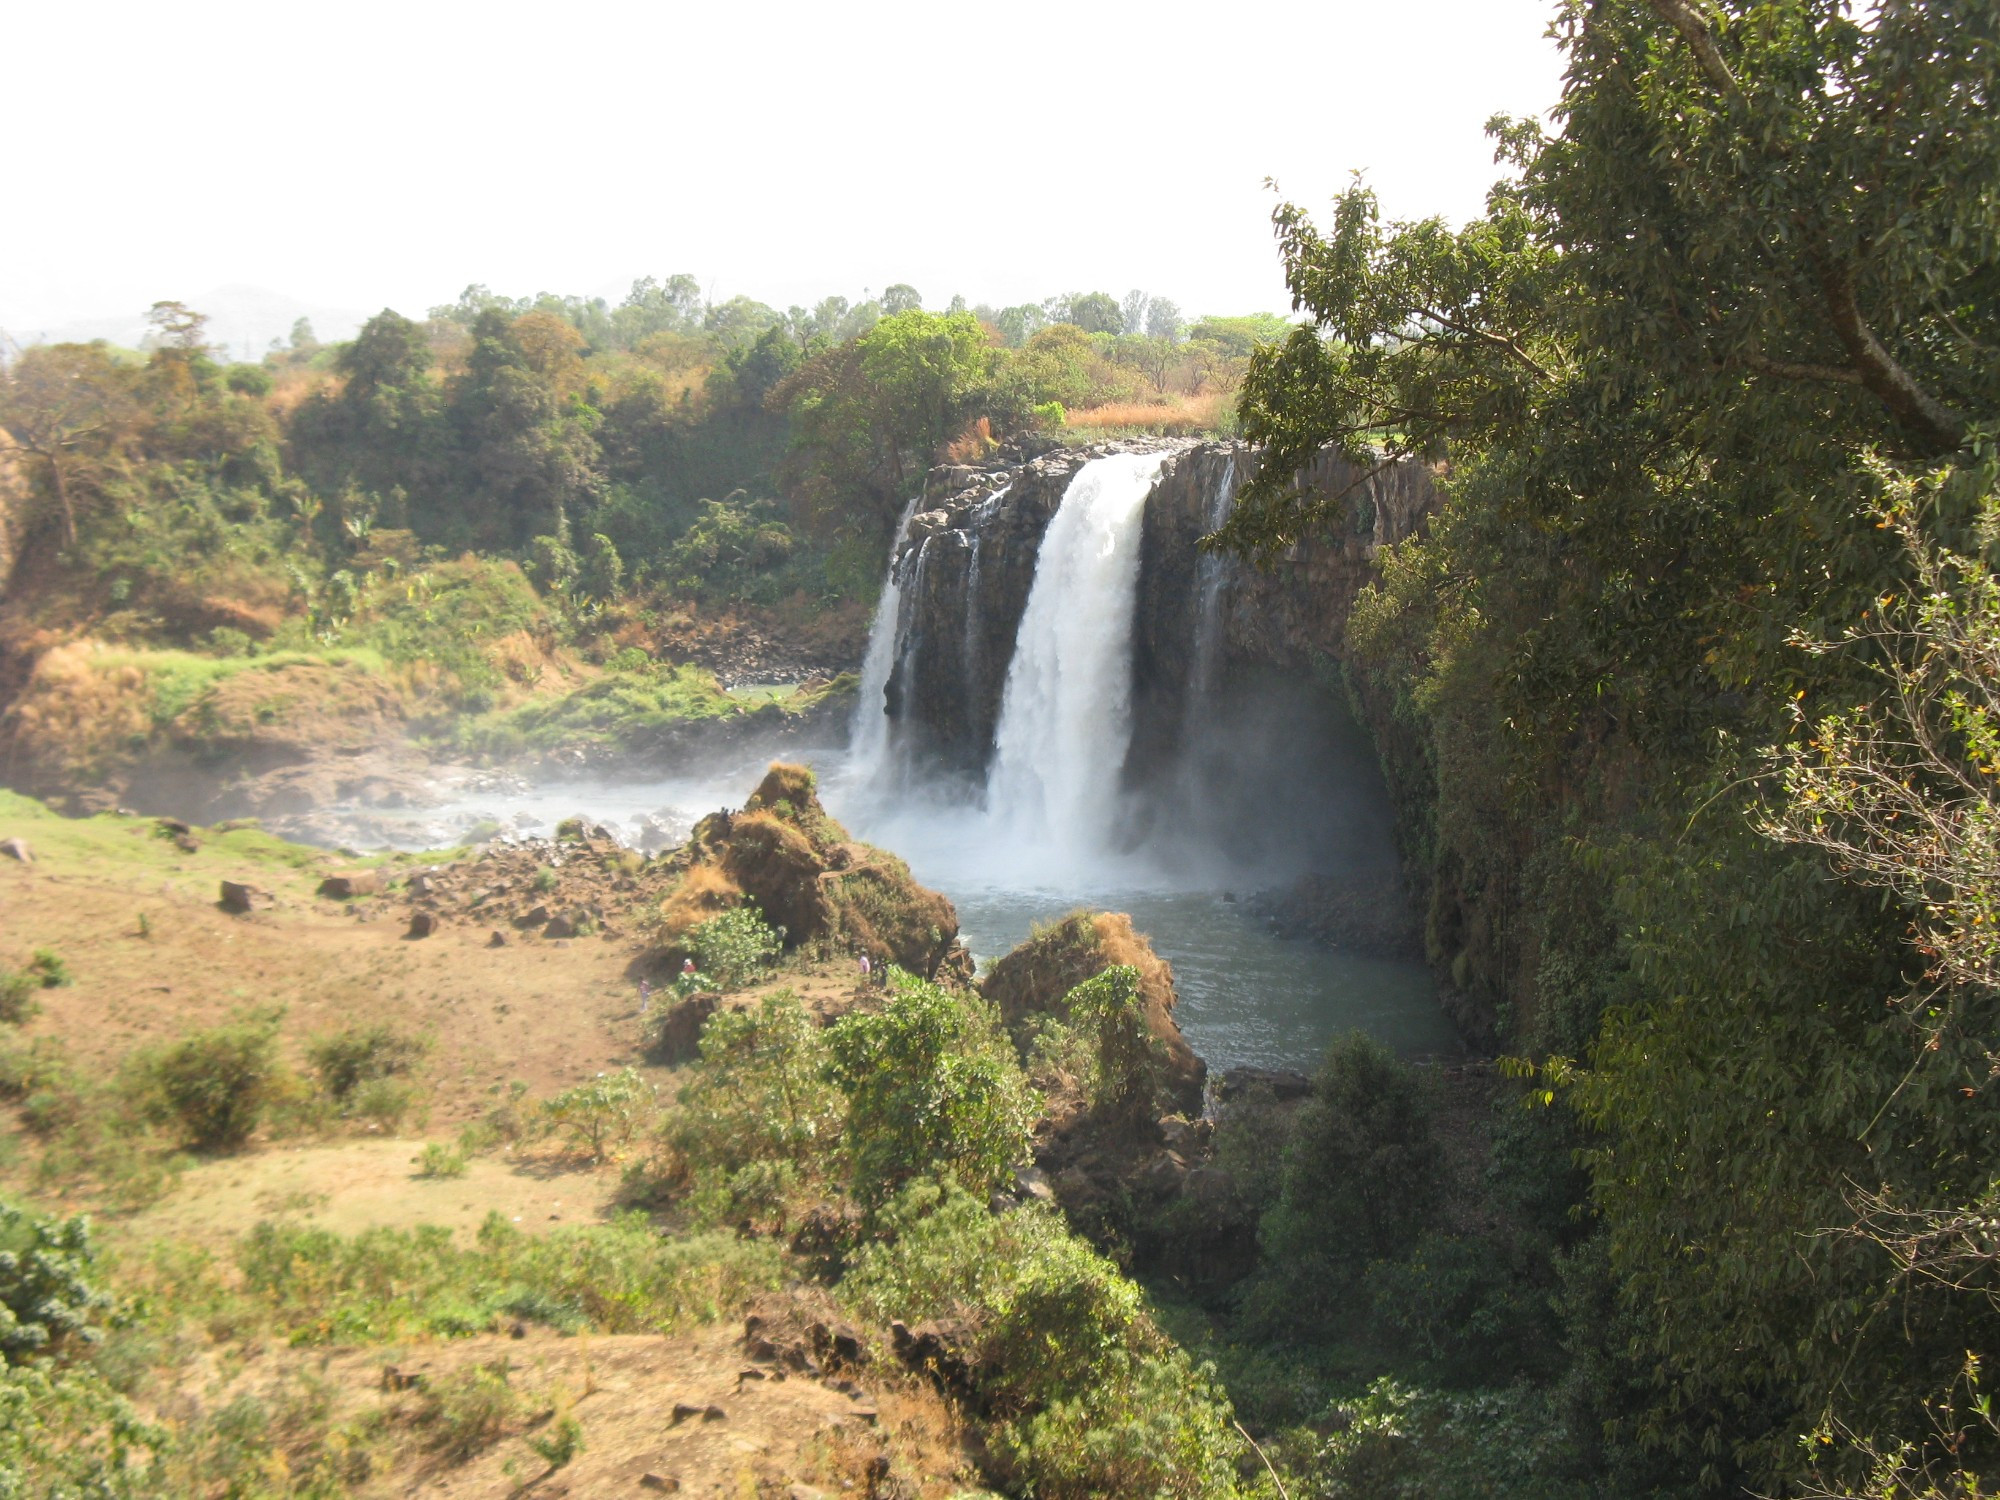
(839, 1345)
(652, 1481)
(355, 883)
(17, 849)
(394, 1379)
(496, 939)
(240, 898)
(423, 923)
(173, 827)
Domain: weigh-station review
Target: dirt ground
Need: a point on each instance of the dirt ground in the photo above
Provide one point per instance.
(151, 953)
(689, 1414)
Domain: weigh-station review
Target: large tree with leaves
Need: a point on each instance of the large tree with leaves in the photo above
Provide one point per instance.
(1755, 264)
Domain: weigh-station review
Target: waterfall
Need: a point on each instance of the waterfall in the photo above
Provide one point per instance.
(1211, 573)
(1066, 710)
(869, 738)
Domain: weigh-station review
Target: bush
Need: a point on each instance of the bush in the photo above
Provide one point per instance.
(759, 1118)
(387, 1103)
(216, 1083)
(19, 1003)
(49, 969)
(601, 1117)
(1087, 1397)
(1398, 1442)
(360, 1055)
(1361, 1176)
(439, 1160)
(65, 1432)
(387, 1284)
(933, 1088)
(734, 948)
(1124, 1078)
(468, 1411)
(48, 1303)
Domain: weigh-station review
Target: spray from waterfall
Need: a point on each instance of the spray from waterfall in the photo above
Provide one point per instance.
(869, 738)
(1066, 711)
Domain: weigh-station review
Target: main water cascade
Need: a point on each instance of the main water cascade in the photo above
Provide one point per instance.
(1065, 717)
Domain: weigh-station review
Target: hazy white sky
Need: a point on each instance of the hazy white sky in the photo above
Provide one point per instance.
(368, 154)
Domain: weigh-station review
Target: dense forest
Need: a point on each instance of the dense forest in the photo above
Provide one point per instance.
(1690, 695)
(1688, 698)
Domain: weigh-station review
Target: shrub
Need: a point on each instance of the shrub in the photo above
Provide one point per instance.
(468, 1411)
(18, 1001)
(1087, 1396)
(386, 1284)
(601, 1117)
(1361, 1176)
(49, 969)
(359, 1055)
(933, 1088)
(439, 1160)
(65, 1432)
(216, 1083)
(734, 948)
(48, 1303)
(387, 1103)
(1124, 1082)
(759, 1119)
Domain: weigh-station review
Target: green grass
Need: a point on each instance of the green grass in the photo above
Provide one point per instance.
(179, 679)
(613, 709)
(134, 842)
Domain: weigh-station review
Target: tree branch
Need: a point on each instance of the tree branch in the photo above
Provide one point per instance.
(1883, 377)
(1787, 370)
(1685, 19)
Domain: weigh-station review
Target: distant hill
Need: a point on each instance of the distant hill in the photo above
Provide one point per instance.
(242, 319)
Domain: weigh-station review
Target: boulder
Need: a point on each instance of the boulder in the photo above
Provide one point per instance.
(241, 899)
(424, 923)
(354, 883)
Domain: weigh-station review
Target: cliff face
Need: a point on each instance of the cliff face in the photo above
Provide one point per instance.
(969, 562)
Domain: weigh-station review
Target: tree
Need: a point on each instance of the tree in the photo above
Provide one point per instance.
(1163, 320)
(1902, 791)
(60, 403)
(870, 414)
(901, 298)
(1663, 369)
(1134, 310)
(1093, 312)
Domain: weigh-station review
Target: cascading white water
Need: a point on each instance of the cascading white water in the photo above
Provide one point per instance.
(1066, 711)
(1211, 572)
(868, 742)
